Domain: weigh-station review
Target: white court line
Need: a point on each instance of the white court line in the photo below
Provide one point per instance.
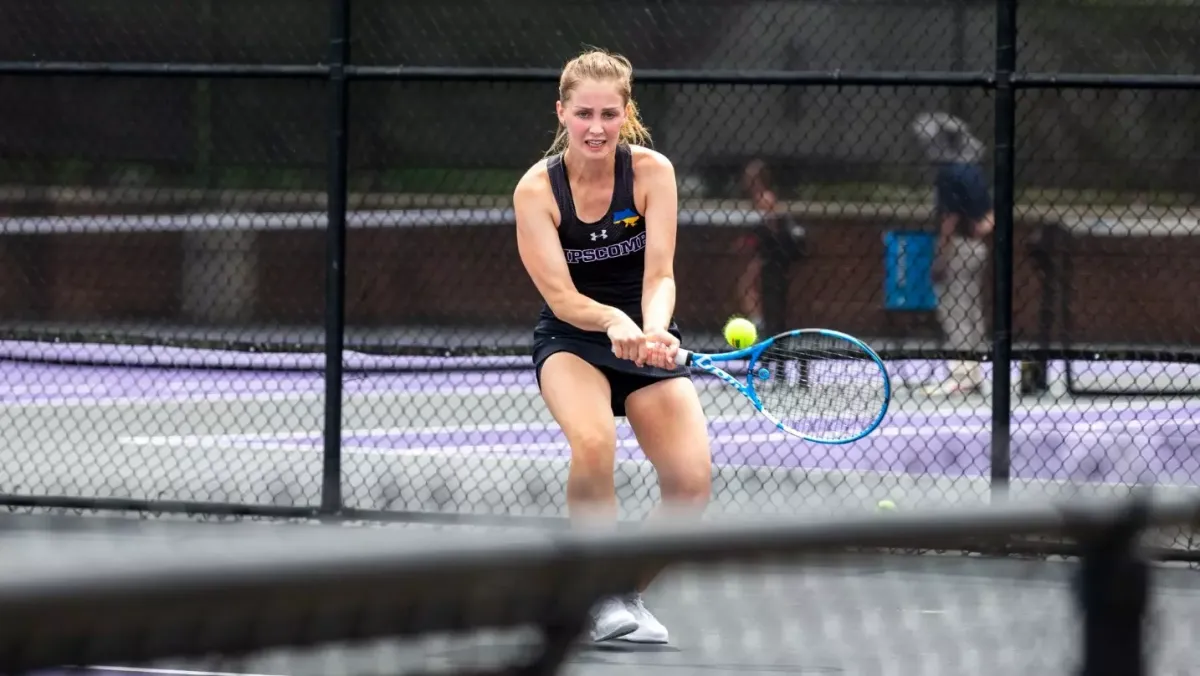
(247, 384)
(212, 397)
(563, 447)
(204, 391)
(56, 389)
(1129, 405)
(374, 432)
(145, 400)
(233, 443)
(906, 431)
(456, 390)
(252, 383)
(442, 450)
(177, 672)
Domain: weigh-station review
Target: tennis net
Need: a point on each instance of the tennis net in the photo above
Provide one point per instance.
(834, 595)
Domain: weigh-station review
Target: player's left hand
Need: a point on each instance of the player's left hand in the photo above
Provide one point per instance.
(661, 348)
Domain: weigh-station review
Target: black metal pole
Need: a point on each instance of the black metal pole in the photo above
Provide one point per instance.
(1005, 112)
(958, 55)
(335, 256)
(1112, 591)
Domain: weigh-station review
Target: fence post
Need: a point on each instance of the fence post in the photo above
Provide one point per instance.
(1112, 591)
(335, 255)
(1005, 123)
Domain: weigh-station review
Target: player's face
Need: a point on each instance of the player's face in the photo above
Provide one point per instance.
(592, 117)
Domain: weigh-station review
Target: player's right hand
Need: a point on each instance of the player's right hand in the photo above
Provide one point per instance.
(628, 341)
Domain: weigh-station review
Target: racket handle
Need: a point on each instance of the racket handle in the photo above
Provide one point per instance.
(683, 357)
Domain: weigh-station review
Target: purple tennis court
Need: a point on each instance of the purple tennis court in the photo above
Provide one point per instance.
(482, 441)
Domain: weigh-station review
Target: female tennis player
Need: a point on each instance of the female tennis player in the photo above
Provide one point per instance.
(596, 226)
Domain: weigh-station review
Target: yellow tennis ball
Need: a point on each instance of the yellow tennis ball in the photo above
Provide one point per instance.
(740, 332)
(886, 506)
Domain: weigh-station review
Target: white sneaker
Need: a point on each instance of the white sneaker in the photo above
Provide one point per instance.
(612, 619)
(965, 378)
(949, 387)
(649, 629)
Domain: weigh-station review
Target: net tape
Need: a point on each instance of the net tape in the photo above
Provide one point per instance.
(252, 587)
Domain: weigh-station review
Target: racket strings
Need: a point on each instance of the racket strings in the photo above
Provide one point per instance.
(820, 386)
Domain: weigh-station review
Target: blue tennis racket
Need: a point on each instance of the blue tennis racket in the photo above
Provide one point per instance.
(820, 385)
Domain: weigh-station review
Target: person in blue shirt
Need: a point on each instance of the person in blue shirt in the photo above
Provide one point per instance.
(963, 212)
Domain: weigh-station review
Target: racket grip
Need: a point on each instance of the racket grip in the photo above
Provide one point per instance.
(683, 357)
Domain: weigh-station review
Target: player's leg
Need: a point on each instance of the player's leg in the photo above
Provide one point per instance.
(671, 429)
(974, 326)
(670, 426)
(964, 287)
(579, 397)
(959, 312)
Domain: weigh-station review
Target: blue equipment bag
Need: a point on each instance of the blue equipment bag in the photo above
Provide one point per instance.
(908, 282)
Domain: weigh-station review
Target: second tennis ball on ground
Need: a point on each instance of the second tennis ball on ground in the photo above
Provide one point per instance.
(740, 332)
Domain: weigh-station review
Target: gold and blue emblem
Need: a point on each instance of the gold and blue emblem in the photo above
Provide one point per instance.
(626, 217)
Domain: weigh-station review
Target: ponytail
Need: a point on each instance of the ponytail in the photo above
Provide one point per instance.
(632, 129)
(560, 142)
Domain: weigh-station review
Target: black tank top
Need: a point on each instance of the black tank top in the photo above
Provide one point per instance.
(606, 258)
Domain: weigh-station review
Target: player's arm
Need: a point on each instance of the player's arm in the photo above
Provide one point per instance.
(656, 176)
(946, 229)
(542, 255)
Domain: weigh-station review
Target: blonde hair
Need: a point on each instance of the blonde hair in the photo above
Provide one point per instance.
(597, 64)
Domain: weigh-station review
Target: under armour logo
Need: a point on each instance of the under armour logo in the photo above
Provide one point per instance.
(603, 234)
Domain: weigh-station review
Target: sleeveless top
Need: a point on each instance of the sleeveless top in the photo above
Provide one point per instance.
(606, 258)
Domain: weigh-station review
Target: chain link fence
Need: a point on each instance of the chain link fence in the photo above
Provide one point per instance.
(258, 258)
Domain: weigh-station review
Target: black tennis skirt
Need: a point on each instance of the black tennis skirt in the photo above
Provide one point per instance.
(624, 377)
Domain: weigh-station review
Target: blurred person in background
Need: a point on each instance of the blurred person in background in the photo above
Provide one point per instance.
(963, 211)
(774, 244)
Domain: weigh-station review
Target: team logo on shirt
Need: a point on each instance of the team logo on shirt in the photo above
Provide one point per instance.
(626, 217)
(628, 247)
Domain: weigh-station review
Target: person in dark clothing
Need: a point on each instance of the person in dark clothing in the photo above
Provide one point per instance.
(596, 230)
(775, 244)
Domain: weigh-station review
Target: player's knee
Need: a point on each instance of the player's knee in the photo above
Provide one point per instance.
(687, 488)
(592, 457)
